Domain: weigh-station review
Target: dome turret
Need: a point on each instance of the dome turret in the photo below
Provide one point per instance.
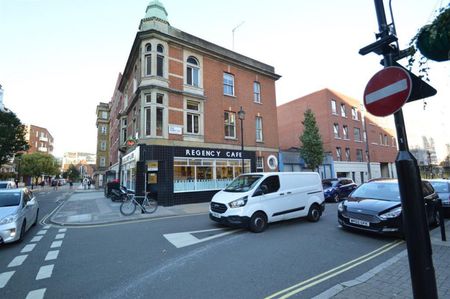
(155, 12)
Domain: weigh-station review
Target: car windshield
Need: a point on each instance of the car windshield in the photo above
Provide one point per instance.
(9, 199)
(329, 183)
(440, 187)
(243, 183)
(3, 185)
(378, 190)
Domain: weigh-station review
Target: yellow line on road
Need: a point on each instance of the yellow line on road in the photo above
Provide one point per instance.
(333, 272)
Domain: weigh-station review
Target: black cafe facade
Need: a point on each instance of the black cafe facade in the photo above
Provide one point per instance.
(181, 175)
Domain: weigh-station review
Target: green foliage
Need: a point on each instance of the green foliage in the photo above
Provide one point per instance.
(72, 173)
(12, 136)
(311, 149)
(38, 164)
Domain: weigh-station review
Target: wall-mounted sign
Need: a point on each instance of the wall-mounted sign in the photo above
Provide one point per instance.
(211, 153)
(152, 166)
(152, 178)
(175, 130)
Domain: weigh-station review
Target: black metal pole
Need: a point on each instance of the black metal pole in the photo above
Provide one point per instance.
(242, 144)
(414, 218)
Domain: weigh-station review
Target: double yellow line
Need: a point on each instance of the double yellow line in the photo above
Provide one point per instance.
(301, 286)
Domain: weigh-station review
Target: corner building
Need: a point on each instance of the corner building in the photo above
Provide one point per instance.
(179, 99)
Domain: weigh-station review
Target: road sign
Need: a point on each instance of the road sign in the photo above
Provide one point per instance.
(387, 91)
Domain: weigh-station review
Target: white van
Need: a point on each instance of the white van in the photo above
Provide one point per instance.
(255, 199)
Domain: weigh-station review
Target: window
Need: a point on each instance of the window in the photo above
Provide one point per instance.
(343, 113)
(160, 61)
(272, 184)
(338, 154)
(192, 117)
(381, 139)
(354, 113)
(148, 121)
(359, 155)
(228, 84)
(103, 146)
(260, 164)
(345, 131)
(123, 129)
(336, 131)
(333, 107)
(148, 59)
(159, 121)
(103, 129)
(393, 142)
(347, 154)
(259, 130)
(102, 162)
(104, 115)
(230, 124)
(159, 98)
(357, 134)
(155, 114)
(385, 140)
(256, 92)
(192, 71)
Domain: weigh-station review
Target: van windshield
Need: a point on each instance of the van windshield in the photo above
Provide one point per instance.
(243, 183)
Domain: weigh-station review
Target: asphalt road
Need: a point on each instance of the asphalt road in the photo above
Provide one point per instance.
(142, 260)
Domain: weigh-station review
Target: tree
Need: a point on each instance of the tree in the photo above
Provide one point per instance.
(38, 164)
(311, 149)
(72, 173)
(12, 136)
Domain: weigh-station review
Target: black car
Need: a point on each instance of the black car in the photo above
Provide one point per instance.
(335, 189)
(376, 207)
(442, 188)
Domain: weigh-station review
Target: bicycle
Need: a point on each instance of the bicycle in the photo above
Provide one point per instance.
(128, 207)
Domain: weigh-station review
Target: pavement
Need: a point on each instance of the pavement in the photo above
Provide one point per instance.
(391, 279)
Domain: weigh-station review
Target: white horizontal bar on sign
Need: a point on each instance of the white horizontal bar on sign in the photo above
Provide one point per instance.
(387, 91)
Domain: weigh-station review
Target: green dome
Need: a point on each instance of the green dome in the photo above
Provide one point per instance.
(155, 11)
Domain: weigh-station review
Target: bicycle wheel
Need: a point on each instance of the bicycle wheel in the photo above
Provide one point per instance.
(127, 207)
(150, 205)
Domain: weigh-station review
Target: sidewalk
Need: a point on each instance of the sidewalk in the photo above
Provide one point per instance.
(91, 207)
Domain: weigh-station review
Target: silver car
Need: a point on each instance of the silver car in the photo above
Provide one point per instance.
(19, 211)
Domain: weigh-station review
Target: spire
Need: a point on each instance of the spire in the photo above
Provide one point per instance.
(155, 12)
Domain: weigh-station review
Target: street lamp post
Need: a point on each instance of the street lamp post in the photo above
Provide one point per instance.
(241, 115)
(366, 137)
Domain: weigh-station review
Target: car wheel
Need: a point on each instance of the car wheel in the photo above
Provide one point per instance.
(314, 213)
(37, 216)
(336, 198)
(258, 222)
(22, 231)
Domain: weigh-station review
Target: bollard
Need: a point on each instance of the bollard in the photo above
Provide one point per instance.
(441, 219)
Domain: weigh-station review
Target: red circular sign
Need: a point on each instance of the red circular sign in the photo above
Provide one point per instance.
(387, 91)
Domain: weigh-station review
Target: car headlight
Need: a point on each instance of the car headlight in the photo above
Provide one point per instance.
(9, 219)
(391, 214)
(238, 202)
(341, 207)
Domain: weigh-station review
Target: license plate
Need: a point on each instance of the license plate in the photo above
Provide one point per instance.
(217, 215)
(359, 222)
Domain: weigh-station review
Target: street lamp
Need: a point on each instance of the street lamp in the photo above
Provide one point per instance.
(366, 135)
(241, 115)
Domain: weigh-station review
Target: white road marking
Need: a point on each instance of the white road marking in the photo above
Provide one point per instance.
(45, 272)
(36, 239)
(52, 255)
(186, 239)
(387, 91)
(28, 248)
(42, 232)
(62, 230)
(4, 278)
(18, 260)
(60, 236)
(47, 227)
(56, 244)
(36, 294)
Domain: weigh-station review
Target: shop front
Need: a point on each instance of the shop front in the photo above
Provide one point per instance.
(180, 175)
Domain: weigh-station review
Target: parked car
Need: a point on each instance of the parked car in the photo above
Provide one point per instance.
(335, 189)
(376, 207)
(253, 200)
(7, 185)
(19, 211)
(442, 188)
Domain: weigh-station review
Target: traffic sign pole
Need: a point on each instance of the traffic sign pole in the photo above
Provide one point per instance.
(414, 218)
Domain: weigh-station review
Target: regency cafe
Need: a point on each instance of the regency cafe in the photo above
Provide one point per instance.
(181, 175)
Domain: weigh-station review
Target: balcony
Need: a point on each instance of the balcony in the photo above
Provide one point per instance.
(44, 139)
(42, 149)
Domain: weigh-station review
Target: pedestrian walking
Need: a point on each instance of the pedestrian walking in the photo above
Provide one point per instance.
(70, 184)
(89, 184)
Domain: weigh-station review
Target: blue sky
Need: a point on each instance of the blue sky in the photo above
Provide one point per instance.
(60, 58)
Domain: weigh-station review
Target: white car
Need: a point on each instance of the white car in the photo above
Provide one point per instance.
(255, 199)
(7, 185)
(19, 211)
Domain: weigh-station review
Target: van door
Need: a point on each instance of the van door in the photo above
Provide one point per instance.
(295, 195)
(270, 202)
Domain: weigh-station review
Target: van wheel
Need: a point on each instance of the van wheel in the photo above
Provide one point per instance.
(258, 222)
(314, 213)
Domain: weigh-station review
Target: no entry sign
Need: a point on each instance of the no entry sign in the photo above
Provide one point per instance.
(387, 91)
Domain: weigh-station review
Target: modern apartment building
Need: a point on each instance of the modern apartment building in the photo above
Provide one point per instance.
(342, 127)
(102, 124)
(179, 100)
(39, 139)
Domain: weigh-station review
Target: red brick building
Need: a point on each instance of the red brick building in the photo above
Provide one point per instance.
(179, 99)
(39, 139)
(340, 124)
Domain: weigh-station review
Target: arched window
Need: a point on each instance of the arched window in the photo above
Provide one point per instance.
(160, 60)
(192, 71)
(148, 59)
(148, 47)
